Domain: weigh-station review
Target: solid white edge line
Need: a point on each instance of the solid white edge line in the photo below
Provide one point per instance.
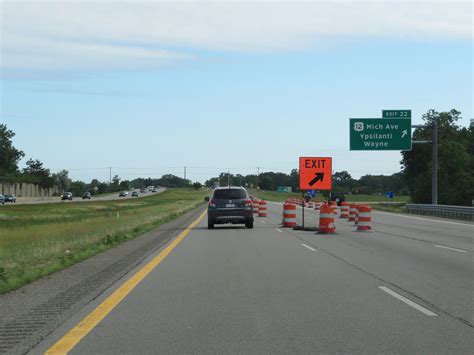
(307, 246)
(459, 250)
(408, 302)
(423, 219)
(278, 230)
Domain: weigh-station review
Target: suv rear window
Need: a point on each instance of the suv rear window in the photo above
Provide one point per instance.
(230, 194)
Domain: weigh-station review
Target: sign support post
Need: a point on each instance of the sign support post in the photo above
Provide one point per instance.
(302, 209)
(434, 163)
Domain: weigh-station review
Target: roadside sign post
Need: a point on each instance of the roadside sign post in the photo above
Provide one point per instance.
(315, 174)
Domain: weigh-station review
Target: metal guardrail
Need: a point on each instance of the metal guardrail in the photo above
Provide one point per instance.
(460, 212)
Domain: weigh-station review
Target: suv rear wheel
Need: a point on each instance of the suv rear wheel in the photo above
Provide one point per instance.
(210, 225)
(249, 225)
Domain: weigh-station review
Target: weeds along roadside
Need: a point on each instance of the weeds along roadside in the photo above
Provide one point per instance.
(37, 240)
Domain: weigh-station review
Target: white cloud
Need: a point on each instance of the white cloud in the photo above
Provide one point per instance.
(112, 34)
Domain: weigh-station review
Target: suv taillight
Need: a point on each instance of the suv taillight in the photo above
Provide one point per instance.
(248, 203)
(212, 203)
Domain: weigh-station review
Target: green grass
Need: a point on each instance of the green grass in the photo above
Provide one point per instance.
(273, 195)
(37, 240)
(376, 198)
(390, 207)
(282, 196)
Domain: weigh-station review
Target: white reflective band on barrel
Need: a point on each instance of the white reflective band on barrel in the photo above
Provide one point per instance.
(364, 214)
(326, 215)
(364, 224)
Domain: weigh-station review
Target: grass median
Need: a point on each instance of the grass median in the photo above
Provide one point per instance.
(282, 196)
(37, 240)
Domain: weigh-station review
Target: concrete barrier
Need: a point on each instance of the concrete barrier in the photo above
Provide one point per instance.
(27, 190)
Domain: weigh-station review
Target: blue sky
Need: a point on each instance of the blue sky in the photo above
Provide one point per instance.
(214, 98)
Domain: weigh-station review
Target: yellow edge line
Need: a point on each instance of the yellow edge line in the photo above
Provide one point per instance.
(74, 336)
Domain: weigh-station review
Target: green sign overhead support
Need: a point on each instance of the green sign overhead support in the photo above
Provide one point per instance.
(396, 113)
(380, 133)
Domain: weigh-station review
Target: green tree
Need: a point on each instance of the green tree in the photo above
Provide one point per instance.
(343, 181)
(455, 161)
(62, 180)
(9, 155)
(41, 175)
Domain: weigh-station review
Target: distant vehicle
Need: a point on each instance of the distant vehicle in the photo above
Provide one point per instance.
(86, 195)
(338, 197)
(143, 190)
(150, 188)
(123, 194)
(154, 190)
(10, 198)
(230, 205)
(2, 199)
(66, 196)
(135, 194)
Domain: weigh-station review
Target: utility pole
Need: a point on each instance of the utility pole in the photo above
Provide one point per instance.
(110, 175)
(258, 173)
(185, 173)
(228, 177)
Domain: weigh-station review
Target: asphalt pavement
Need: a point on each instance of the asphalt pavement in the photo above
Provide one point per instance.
(407, 287)
(57, 199)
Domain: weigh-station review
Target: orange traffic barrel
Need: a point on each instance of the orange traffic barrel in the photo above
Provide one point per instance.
(352, 212)
(357, 215)
(289, 215)
(310, 204)
(317, 205)
(326, 220)
(364, 219)
(256, 206)
(344, 210)
(333, 204)
(262, 211)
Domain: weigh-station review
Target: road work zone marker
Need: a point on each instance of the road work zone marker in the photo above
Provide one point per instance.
(86, 325)
(408, 302)
(315, 173)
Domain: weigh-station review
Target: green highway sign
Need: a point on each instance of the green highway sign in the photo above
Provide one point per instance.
(396, 113)
(380, 133)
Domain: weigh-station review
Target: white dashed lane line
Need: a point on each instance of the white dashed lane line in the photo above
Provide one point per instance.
(408, 302)
(308, 247)
(442, 246)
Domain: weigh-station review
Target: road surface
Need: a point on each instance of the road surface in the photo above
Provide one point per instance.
(57, 199)
(405, 288)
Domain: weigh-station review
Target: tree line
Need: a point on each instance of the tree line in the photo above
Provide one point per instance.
(455, 169)
(36, 173)
(342, 182)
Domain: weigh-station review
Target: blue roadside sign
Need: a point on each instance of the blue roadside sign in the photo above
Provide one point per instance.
(389, 194)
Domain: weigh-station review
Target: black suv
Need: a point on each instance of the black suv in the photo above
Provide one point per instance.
(338, 197)
(229, 205)
(66, 196)
(86, 196)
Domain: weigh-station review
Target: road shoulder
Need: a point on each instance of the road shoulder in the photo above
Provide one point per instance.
(35, 310)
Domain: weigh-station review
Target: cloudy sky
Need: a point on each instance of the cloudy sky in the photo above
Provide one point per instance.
(149, 87)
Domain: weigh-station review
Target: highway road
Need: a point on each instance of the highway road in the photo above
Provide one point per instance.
(405, 288)
(57, 199)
